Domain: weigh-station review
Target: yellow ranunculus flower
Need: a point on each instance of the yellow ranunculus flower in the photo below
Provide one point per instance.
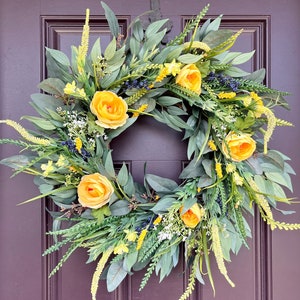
(94, 190)
(111, 110)
(190, 78)
(131, 236)
(193, 216)
(121, 248)
(238, 147)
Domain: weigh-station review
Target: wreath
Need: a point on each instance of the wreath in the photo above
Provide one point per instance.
(193, 85)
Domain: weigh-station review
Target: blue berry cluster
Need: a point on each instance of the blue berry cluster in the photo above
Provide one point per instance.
(226, 81)
(220, 203)
(136, 84)
(71, 146)
(146, 223)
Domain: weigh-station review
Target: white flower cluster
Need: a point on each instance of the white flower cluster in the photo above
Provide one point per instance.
(173, 227)
(76, 124)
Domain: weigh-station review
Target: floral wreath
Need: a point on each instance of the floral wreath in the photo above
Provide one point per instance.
(193, 85)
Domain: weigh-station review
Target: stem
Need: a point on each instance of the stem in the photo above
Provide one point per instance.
(207, 261)
(205, 140)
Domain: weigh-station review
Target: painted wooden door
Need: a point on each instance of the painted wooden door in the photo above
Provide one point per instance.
(270, 270)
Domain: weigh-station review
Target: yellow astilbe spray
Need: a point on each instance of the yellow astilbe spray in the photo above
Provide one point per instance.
(136, 96)
(157, 220)
(83, 48)
(141, 239)
(261, 201)
(224, 95)
(272, 120)
(217, 249)
(98, 271)
(162, 74)
(211, 144)
(270, 127)
(218, 168)
(280, 122)
(78, 144)
(266, 212)
(141, 109)
(197, 45)
(25, 134)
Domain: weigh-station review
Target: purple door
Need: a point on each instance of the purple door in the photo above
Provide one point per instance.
(268, 271)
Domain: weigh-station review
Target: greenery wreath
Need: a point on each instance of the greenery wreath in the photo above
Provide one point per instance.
(193, 85)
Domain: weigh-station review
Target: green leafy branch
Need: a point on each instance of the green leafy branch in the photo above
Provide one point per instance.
(189, 27)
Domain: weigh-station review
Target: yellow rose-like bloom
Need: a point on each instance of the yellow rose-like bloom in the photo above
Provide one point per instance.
(94, 190)
(193, 216)
(190, 78)
(238, 147)
(109, 109)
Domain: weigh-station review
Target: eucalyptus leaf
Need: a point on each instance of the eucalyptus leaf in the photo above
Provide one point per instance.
(168, 54)
(161, 184)
(114, 133)
(115, 275)
(138, 31)
(215, 38)
(236, 72)
(176, 111)
(257, 76)
(163, 205)
(279, 192)
(166, 265)
(153, 41)
(40, 123)
(168, 100)
(134, 46)
(129, 260)
(96, 51)
(109, 79)
(205, 181)
(45, 188)
(192, 170)
(189, 58)
(123, 175)
(109, 165)
(46, 102)
(111, 19)
(214, 25)
(207, 165)
(110, 49)
(16, 161)
(242, 58)
(59, 56)
(53, 86)
(65, 194)
(129, 188)
(154, 27)
(57, 70)
(281, 178)
(227, 56)
(120, 208)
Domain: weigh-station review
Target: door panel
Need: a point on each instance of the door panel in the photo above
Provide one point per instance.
(268, 271)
